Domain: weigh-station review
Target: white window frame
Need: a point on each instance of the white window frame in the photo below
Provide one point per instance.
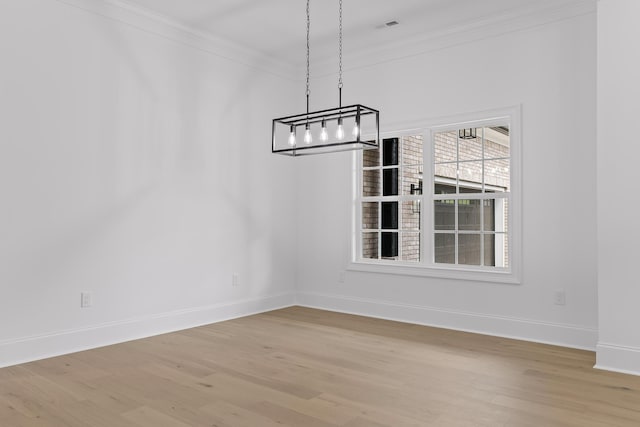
(511, 117)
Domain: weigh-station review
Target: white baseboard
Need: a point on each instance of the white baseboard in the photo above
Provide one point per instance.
(32, 348)
(617, 358)
(507, 327)
(610, 357)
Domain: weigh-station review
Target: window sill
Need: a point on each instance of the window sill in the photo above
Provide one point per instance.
(448, 272)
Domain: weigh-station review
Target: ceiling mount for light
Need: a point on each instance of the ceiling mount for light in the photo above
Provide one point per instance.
(324, 130)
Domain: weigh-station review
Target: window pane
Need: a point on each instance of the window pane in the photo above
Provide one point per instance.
(445, 248)
(444, 213)
(371, 158)
(389, 218)
(470, 148)
(496, 142)
(446, 173)
(502, 222)
(370, 218)
(469, 215)
(411, 215)
(490, 250)
(489, 207)
(466, 188)
(470, 176)
(445, 188)
(501, 251)
(390, 151)
(390, 182)
(412, 150)
(469, 249)
(371, 182)
(496, 175)
(412, 180)
(370, 245)
(445, 146)
(389, 245)
(501, 213)
(411, 247)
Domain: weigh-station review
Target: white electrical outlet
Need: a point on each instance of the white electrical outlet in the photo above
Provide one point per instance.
(234, 280)
(559, 297)
(85, 299)
(341, 277)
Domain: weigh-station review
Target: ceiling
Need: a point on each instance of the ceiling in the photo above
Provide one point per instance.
(277, 27)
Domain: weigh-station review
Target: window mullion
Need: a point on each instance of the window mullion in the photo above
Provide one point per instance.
(379, 202)
(427, 227)
(482, 201)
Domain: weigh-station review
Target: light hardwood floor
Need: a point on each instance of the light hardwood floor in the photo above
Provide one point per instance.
(306, 368)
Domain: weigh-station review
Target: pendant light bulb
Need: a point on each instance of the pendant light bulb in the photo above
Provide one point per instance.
(340, 130)
(356, 127)
(307, 135)
(324, 136)
(292, 136)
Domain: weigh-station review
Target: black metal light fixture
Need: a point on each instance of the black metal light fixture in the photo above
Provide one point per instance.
(324, 130)
(416, 190)
(467, 133)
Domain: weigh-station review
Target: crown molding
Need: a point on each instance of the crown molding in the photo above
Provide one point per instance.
(151, 22)
(508, 22)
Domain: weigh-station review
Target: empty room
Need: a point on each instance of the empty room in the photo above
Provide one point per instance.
(331, 213)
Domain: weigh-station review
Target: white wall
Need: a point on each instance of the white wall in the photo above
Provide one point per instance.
(618, 176)
(551, 71)
(135, 167)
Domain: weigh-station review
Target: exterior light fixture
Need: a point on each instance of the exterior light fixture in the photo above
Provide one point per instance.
(362, 123)
(416, 190)
(467, 133)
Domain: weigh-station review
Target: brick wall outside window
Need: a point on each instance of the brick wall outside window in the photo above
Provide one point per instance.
(470, 173)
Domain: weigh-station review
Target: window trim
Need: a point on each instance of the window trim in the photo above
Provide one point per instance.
(426, 267)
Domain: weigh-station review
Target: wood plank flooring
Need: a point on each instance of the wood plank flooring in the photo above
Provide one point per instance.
(310, 368)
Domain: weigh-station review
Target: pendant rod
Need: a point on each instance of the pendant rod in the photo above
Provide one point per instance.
(340, 55)
(308, 31)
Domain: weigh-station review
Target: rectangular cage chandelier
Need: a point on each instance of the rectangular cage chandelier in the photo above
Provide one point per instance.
(352, 127)
(327, 131)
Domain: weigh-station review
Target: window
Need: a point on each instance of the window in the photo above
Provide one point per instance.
(471, 176)
(441, 201)
(390, 203)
